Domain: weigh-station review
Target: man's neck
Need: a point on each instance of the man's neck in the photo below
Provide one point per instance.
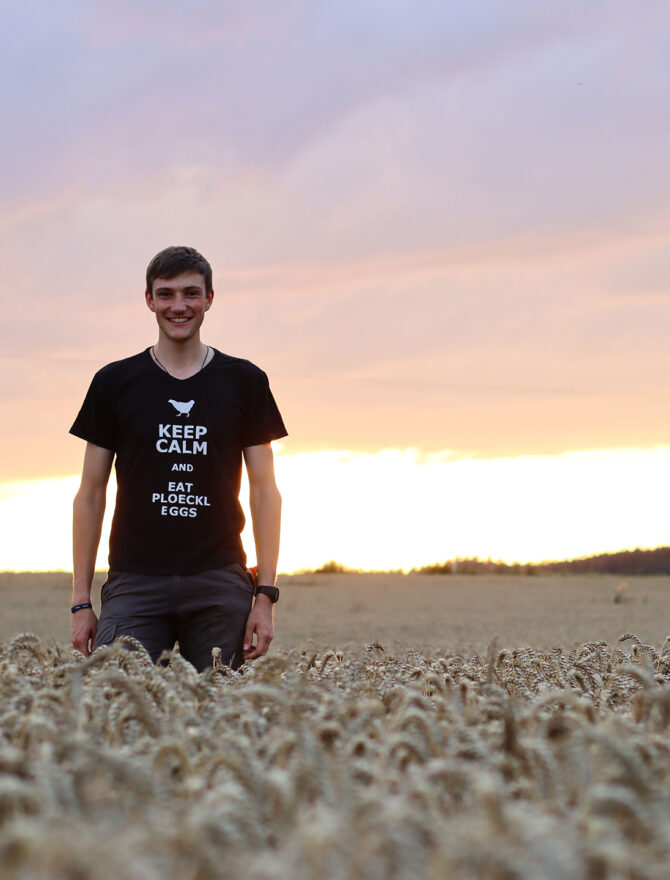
(181, 359)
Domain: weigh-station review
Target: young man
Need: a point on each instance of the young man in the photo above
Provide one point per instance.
(179, 417)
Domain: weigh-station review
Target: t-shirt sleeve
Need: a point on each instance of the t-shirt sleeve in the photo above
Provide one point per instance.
(261, 420)
(95, 422)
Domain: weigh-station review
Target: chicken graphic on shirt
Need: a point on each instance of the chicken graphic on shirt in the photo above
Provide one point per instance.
(183, 409)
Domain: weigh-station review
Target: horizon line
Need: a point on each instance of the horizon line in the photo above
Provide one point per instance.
(414, 569)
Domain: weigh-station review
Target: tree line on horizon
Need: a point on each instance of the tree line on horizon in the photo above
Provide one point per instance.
(623, 562)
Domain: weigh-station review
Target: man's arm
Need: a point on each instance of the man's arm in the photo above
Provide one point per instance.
(88, 511)
(265, 503)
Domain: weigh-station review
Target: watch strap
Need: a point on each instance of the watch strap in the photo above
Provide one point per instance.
(271, 592)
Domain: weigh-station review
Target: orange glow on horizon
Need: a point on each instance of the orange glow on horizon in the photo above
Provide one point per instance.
(398, 509)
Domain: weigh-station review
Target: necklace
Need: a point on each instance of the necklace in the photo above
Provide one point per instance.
(163, 367)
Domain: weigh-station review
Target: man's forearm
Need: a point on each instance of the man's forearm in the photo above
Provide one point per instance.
(265, 503)
(88, 512)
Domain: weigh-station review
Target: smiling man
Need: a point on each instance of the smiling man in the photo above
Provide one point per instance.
(179, 417)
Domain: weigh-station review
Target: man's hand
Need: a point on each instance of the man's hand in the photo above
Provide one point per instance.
(260, 623)
(84, 628)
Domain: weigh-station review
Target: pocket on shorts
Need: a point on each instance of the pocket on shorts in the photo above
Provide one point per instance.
(106, 588)
(247, 577)
(113, 580)
(106, 632)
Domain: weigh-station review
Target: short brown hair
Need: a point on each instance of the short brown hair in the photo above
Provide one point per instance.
(175, 260)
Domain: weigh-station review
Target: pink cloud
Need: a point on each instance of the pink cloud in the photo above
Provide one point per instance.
(447, 229)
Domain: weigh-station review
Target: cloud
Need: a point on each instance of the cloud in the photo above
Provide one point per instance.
(136, 89)
(481, 354)
(437, 225)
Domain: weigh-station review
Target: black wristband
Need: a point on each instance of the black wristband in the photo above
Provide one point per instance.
(80, 607)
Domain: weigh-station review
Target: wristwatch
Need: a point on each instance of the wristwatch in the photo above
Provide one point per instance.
(272, 592)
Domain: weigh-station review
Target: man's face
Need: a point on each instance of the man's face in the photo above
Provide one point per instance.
(179, 304)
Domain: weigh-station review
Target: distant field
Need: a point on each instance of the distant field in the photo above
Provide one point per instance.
(429, 613)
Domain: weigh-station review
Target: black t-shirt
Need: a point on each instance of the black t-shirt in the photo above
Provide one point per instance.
(178, 445)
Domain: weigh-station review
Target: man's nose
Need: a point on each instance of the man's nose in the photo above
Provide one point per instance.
(178, 303)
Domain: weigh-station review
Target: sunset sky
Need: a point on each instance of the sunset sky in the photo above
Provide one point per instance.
(442, 229)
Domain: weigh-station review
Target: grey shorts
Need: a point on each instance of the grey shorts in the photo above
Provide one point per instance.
(200, 611)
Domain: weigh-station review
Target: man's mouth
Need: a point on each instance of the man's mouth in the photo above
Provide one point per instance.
(178, 320)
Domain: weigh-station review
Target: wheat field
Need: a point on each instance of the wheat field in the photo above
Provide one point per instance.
(524, 760)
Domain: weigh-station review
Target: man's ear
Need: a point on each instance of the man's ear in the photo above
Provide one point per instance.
(149, 300)
(209, 298)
